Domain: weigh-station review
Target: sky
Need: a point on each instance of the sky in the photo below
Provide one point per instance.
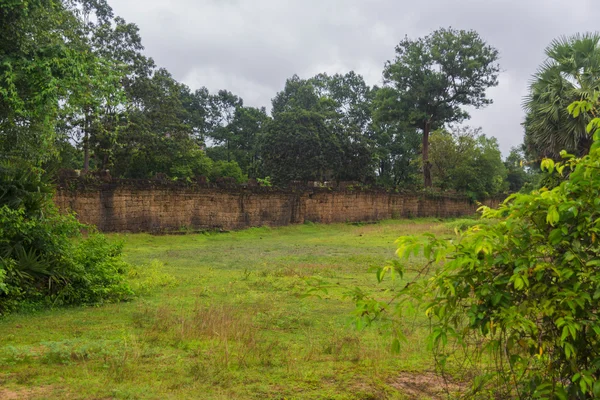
(251, 47)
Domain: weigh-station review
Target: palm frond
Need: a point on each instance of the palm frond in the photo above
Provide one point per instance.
(571, 72)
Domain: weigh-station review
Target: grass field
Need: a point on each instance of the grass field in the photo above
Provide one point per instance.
(224, 317)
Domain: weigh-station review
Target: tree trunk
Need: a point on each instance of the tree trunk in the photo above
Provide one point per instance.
(86, 148)
(86, 139)
(228, 157)
(426, 165)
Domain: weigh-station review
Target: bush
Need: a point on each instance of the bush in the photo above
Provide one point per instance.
(44, 260)
(191, 164)
(521, 296)
(227, 169)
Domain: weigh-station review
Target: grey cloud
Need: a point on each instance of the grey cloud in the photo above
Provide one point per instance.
(251, 46)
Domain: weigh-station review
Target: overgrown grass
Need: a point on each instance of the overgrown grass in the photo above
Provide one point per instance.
(224, 316)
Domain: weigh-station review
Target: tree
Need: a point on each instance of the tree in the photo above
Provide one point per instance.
(44, 261)
(90, 114)
(247, 129)
(436, 75)
(120, 42)
(571, 72)
(348, 111)
(200, 113)
(396, 143)
(223, 110)
(516, 174)
(298, 94)
(467, 161)
(525, 282)
(351, 98)
(298, 145)
(98, 109)
(515, 297)
(41, 65)
(158, 137)
(337, 111)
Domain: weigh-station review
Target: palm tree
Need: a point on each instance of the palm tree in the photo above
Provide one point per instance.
(571, 72)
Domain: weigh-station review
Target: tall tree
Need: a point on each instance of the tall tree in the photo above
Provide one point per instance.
(89, 114)
(435, 76)
(347, 101)
(298, 145)
(247, 129)
(43, 62)
(396, 142)
(571, 72)
(336, 109)
(200, 110)
(158, 137)
(351, 98)
(298, 94)
(223, 110)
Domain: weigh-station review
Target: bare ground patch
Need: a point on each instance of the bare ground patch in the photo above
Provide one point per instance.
(426, 385)
(24, 394)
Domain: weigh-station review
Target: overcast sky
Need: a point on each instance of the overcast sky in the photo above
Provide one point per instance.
(251, 47)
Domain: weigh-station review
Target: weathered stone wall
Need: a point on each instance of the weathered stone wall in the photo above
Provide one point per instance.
(124, 208)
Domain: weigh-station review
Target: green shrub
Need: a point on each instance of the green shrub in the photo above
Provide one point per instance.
(192, 163)
(227, 169)
(266, 181)
(44, 260)
(520, 297)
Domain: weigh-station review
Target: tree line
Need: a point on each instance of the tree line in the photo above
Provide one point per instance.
(105, 105)
(78, 92)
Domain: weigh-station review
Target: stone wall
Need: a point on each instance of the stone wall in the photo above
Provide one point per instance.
(129, 208)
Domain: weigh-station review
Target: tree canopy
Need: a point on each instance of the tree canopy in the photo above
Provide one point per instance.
(467, 161)
(571, 72)
(436, 76)
(77, 91)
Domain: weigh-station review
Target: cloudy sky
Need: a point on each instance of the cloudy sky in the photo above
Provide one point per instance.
(251, 47)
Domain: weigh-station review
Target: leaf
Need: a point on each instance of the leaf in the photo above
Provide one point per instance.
(518, 282)
(596, 389)
(594, 124)
(583, 385)
(553, 216)
(547, 165)
(561, 393)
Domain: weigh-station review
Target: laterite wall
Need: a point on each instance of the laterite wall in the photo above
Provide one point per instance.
(119, 207)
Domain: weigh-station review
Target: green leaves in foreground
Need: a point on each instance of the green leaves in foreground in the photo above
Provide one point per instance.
(520, 296)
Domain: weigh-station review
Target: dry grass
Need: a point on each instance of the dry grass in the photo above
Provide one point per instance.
(26, 393)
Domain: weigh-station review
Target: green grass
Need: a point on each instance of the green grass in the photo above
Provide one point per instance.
(235, 326)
